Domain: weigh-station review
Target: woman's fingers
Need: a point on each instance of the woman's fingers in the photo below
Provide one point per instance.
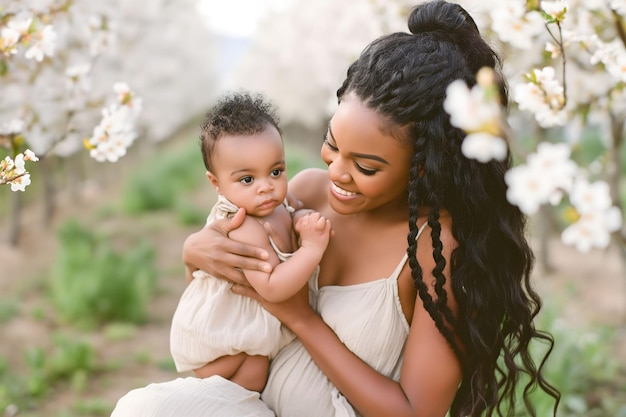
(224, 226)
(246, 291)
(238, 260)
(246, 256)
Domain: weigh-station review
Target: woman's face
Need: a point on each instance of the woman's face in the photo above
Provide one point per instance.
(368, 168)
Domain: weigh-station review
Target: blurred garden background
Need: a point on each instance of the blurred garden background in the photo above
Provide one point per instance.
(90, 252)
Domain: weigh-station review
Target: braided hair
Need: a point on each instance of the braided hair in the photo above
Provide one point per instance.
(404, 76)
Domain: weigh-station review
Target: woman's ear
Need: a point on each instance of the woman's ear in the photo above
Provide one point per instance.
(213, 180)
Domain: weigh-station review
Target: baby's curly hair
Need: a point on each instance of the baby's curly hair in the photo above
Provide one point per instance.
(240, 113)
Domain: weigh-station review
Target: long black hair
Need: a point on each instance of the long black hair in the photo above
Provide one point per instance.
(404, 76)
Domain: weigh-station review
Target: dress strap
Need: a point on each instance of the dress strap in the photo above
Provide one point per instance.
(290, 209)
(396, 272)
(283, 256)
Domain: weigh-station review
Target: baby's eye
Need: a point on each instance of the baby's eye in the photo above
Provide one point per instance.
(246, 180)
(277, 172)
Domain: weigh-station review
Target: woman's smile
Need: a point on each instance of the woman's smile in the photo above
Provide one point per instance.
(341, 191)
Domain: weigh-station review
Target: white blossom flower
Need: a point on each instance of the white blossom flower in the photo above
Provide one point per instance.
(484, 147)
(14, 172)
(554, 163)
(6, 165)
(477, 111)
(549, 117)
(619, 6)
(617, 66)
(102, 35)
(602, 51)
(588, 198)
(529, 96)
(544, 178)
(21, 23)
(8, 41)
(543, 95)
(514, 25)
(526, 188)
(598, 217)
(114, 134)
(44, 44)
(592, 230)
(77, 76)
(78, 83)
(611, 54)
(30, 156)
(19, 164)
(554, 50)
(12, 127)
(470, 110)
(546, 79)
(20, 183)
(555, 9)
(122, 90)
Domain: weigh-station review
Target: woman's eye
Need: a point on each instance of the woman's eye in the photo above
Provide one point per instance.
(327, 143)
(277, 172)
(365, 171)
(246, 180)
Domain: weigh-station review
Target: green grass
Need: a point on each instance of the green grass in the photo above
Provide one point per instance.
(582, 367)
(92, 283)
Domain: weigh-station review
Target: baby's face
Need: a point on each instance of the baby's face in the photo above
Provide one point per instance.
(250, 171)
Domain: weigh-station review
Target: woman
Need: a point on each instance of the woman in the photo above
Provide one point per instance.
(447, 326)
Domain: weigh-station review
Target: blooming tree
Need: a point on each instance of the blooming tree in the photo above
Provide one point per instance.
(28, 47)
(79, 76)
(586, 42)
(566, 67)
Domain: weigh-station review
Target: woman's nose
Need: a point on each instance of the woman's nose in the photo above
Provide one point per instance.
(338, 170)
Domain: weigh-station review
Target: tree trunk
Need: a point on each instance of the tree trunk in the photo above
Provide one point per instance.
(15, 218)
(545, 232)
(544, 218)
(614, 173)
(49, 191)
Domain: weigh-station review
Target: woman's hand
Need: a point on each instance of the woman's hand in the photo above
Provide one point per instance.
(211, 250)
(291, 312)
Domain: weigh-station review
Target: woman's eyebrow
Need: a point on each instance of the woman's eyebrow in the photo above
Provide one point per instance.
(359, 155)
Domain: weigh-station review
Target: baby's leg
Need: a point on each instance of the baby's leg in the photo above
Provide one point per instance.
(249, 372)
(225, 366)
(252, 374)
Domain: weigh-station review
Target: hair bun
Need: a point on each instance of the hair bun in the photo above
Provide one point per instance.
(452, 23)
(446, 18)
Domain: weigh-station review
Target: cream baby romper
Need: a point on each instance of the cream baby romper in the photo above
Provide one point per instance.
(211, 321)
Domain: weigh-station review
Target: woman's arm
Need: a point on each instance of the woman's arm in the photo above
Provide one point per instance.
(211, 250)
(430, 371)
(429, 378)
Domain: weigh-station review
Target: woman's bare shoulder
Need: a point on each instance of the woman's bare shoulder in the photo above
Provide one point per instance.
(310, 186)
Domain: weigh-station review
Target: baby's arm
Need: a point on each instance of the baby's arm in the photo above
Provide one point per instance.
(290, 276)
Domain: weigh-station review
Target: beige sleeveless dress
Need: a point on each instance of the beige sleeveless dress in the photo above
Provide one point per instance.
(368, 319)
(211, 321)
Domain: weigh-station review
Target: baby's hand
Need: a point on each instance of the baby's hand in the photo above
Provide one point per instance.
(314, 230)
